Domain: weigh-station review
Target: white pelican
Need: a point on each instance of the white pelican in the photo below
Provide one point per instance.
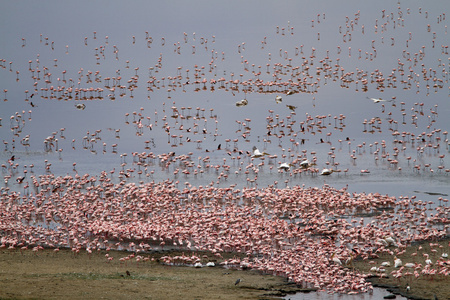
(383, 241)
(257, 153)
(376, 100)
(210, 264)
(306, 164)
(390, 241)
(397, 262)
(335, 259)
(349, 261)
(285, 166)
(278, 99)
(80, 106)
(385, 264)
(242, 102)
(198, 265)
(326, 172)
(444, 255)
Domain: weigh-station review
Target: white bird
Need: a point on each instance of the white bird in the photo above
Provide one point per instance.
(210, 264)
(198, 265)
(376, 100)
(285, 166)
(242, 102)
(278, 99)
(326, 172)
(397, 262)
(444, 255)
(335, 259)
(410, 265)
(390, 241)
(428, 261)
(306, 164)
(386, 264)
(80, 106)
(383, 241)
(257, 153)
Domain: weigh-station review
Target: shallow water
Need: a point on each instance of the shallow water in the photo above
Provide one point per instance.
(377, 294)
(162, 40)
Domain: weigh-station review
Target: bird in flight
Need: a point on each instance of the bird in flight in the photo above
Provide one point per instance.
(257, 153)
(291, 107)
(306, 164)
(285, 166)
(80, 106)
(377, 100)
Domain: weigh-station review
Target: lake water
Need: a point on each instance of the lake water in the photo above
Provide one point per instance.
(165, 77)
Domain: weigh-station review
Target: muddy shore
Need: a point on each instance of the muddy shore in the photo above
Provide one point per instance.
(47, 274)
(50, 274)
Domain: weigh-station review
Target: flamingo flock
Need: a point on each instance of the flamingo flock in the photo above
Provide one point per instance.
(293, 232)
(148, 199)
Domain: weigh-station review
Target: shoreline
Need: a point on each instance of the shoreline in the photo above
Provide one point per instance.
(52, 275)
(54, 271)
(421, 284)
